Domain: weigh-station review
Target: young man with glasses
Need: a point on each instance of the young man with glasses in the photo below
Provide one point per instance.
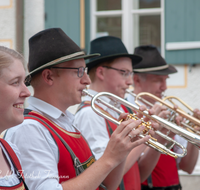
(111, 72)
(54, 153)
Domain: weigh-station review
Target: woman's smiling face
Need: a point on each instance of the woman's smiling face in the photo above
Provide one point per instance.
(12, 94)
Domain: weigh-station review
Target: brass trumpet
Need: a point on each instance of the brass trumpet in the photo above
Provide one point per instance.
(191, 121)
(189, 135)
(164, 149)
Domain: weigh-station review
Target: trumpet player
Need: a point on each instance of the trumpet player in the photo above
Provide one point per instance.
(111, 72)
(150, 75)
(55, 156)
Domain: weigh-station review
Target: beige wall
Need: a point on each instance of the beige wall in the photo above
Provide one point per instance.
(190, 182)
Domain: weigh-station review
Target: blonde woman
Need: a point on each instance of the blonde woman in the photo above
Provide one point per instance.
(12, 96)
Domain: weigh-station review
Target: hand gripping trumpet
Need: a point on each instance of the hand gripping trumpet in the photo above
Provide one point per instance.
(152, 142)
(185, 133)
(190, 121)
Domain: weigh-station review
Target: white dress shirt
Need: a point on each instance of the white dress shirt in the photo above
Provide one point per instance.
(10, 180)
(93, 127)
(39, 152)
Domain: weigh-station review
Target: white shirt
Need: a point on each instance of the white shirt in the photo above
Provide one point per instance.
(177, 138)
(39, 152)
(10, 180)
(93, 127)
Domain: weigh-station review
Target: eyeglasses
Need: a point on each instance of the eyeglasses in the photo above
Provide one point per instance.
(125, 73)
(81, 70)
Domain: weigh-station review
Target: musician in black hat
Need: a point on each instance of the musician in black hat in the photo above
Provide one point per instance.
(150, 75)
(54, 153)
(111, 72)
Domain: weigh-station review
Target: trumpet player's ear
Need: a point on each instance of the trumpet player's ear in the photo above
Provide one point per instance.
(136, 79)
(47, 76)
(100, 72)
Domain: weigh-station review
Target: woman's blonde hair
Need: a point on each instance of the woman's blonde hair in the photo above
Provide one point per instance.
(7, 56)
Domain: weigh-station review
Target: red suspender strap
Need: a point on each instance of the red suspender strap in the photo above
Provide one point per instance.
(12, 156)
(127, 110)
(16, 165)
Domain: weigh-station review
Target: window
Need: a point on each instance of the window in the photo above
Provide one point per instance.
(136, 22)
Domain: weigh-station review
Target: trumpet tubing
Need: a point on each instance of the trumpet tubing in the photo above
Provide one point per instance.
(152, 142)
(189, 134)
(179, 111)
(191, 121)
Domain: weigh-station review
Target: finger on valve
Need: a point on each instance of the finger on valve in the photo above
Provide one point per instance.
(122, 116)
(157, 108)
(150, 112)
(178, 119)
(197, 128)
(141, 108)
(197, 113)
(140, 126)
(133, 135)
(164, 114)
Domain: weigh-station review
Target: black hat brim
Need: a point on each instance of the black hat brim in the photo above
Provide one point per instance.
(167, 71)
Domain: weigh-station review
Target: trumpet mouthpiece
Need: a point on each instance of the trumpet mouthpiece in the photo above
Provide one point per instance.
(84, 93)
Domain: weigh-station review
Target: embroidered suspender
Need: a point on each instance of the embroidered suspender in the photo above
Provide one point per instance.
(15, 162)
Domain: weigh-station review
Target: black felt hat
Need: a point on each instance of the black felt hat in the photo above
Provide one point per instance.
(50, 47)
(152, 62)
(109, 47)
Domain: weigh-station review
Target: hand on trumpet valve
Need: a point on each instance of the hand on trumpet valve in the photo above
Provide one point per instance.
(196, 113)
(153, 111)
(197, 128)
(160, 110)
(178, 120)
(124, 139)
(145, 126)
(139, 128)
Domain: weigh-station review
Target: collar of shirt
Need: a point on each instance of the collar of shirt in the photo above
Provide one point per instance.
(47, 109)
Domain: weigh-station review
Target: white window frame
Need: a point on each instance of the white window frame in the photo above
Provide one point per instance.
(126, 14)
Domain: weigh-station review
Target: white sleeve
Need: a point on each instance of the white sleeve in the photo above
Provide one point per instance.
(39, 155)
(93, 128)
(177, 149)
(131, 99)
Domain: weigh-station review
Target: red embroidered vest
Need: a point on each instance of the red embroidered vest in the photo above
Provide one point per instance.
(74, 140)
(16, 164)
(131, 179)
(165, 173)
